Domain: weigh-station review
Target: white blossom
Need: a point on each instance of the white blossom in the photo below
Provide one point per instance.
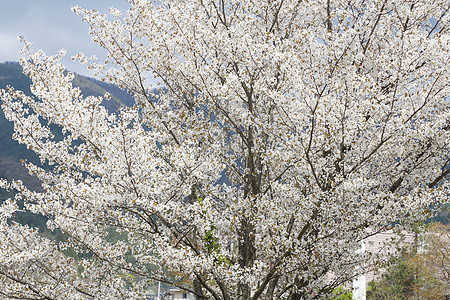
(286, 132)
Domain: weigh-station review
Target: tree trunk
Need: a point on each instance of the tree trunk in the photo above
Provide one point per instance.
(246, 255)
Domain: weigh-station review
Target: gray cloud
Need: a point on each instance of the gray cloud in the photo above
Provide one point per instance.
(51, 26)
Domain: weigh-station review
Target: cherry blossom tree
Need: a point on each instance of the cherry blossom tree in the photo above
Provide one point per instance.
(284, 132)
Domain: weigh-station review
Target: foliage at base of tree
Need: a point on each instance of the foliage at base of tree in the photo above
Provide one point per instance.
(422, 272)
(342, 294)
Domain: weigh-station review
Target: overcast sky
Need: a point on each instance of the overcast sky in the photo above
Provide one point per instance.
(50, 25)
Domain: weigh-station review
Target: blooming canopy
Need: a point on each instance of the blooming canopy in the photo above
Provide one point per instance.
(286, 132)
